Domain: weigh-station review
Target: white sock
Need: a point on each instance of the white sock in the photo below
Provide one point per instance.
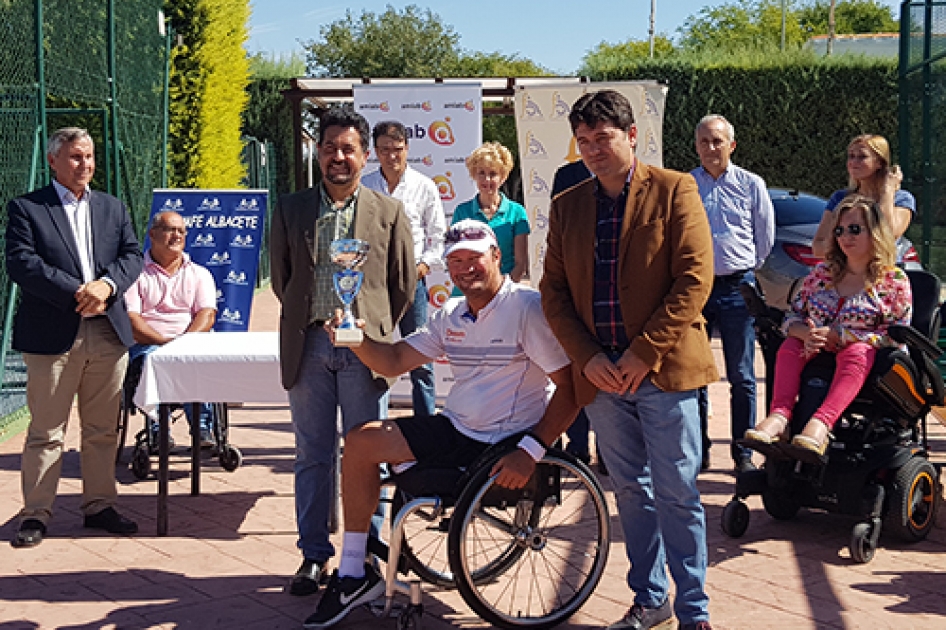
(354, 550)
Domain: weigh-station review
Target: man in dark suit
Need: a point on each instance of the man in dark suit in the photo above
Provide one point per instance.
(320, 378)
(73, 253)
(628, 268)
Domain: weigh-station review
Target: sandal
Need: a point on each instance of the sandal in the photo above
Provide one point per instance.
(768, 431)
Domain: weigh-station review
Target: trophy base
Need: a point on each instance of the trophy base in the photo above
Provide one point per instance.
(348, 337)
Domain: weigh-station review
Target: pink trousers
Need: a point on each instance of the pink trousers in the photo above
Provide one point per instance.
(853, 364)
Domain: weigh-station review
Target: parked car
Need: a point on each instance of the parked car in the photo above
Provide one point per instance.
(797, 215)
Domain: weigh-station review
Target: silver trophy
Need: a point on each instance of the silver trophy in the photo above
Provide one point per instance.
(348, 253)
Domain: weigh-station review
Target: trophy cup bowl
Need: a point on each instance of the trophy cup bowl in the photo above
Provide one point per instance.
(348, 253)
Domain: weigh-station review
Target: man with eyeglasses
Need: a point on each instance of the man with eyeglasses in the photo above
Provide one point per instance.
(72, 252)
(628, 268)
(320, 378)
(504, 360)
(172, 296)
(742, 221)
(424, 209)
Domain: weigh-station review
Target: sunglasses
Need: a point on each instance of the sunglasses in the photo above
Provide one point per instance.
(455, 235)
(853, 229)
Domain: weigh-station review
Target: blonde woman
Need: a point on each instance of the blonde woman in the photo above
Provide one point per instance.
(845, 307)
(489, 166)
(870, 174)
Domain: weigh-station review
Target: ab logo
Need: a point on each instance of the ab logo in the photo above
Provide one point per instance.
(441, 133)
(445, 187)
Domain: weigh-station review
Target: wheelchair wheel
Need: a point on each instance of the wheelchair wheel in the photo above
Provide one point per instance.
(141, 462)
(780, 504)
(735, 519)
(862, 543)
(912, 500)
(425, 545)
(230, 458)
(531, 557)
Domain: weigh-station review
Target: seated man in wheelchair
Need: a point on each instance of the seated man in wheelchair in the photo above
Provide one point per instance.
(845, 307)
(172, 296)
(503, 355)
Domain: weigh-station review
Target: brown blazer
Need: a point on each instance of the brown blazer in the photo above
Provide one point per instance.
(390, 273)
(665, 274)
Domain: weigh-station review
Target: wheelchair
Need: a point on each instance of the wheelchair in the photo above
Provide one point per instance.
(877, 466)
(228, 455)
(527, 558)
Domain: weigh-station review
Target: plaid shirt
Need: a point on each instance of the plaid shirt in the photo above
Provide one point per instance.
(609, 321)
(334, 222)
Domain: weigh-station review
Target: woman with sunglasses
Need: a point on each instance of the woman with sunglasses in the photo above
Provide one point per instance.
(845, 307)
(870, 174)
(489, 166)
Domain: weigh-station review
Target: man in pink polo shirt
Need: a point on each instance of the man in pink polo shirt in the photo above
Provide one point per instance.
(172, 296)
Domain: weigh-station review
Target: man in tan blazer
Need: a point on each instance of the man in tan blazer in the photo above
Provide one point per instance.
(321, 378)
(623, 293)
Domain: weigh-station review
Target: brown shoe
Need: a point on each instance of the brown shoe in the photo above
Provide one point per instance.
(769, 430)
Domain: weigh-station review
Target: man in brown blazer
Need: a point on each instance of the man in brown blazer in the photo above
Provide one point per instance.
(623, 293)
(320, 378)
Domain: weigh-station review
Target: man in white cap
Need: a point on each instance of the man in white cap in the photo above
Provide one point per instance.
(501, 323)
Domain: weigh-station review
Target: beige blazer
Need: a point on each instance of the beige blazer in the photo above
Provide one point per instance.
(390, 274)
(665, 276)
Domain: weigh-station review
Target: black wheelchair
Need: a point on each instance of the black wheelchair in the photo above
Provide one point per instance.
(526, 558)
(877, 466)
(228, 455)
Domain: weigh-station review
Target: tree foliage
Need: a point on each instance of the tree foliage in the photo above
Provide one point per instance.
(605, 54)
(739, 25)
(209, 74)
(414, 42)
(850, 17)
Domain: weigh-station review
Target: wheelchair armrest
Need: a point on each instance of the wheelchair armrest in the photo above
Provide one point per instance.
(914, 339)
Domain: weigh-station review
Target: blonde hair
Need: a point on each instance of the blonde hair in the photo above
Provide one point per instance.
(879, 146)
(884, 249)
(490, 154)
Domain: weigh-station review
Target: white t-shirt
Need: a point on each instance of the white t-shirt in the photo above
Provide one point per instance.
(500, 361)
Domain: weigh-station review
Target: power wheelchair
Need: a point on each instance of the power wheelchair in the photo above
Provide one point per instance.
(877, 465)
(526, 558)
(228, 455)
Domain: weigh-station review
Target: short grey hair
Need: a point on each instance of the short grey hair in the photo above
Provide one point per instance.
(66, 135)
(709, 118)
(158, 218)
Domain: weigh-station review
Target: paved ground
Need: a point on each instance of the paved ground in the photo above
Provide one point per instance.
(226, 561)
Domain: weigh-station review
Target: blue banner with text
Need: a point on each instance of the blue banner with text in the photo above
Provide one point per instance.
(224, 232)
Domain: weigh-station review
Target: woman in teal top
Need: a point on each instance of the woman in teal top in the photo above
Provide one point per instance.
(489, 166)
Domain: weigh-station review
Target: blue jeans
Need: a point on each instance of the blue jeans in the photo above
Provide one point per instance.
(727, 310)
(422, 379)
(139, 351)
(330, 379)
(651, 442)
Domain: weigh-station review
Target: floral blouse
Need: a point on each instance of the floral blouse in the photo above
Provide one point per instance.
(864, 316)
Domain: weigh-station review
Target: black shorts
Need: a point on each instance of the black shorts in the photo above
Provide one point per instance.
(437, 444)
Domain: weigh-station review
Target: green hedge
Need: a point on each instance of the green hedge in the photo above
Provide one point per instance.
(794, 115)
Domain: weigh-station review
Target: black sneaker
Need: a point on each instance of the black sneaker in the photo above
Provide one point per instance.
(343, 595)
(641, 618)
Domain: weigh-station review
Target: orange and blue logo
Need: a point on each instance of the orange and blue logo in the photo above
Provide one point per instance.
(445, 187)
(560, 109)
(441, 133)
(531, 109)
(534, 148)
(537, 184)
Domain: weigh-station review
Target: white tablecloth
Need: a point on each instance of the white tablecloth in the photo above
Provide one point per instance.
(226, 367)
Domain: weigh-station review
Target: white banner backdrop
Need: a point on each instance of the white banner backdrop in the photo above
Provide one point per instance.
(546, 143)
(445, 125)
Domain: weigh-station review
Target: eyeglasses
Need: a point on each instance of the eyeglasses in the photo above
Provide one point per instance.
(455, 235)
(853, 229)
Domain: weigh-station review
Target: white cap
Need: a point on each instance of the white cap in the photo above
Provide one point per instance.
(469, 234)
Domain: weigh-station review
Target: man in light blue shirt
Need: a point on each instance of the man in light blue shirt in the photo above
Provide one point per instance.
(743, 224)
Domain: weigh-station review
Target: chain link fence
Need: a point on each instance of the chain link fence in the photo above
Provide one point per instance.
(923, 124)
(90, 63)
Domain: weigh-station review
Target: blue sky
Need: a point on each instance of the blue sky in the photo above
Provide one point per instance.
(553, 33)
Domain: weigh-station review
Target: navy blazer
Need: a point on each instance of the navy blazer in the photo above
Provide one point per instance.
(43, 258)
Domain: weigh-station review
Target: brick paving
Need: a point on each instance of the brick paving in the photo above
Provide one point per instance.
(230, 551)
